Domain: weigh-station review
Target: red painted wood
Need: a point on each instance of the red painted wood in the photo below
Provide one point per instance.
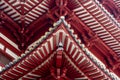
(37, 28)
(45, 50)
(41, 53)
(66, 42)
(54, 42)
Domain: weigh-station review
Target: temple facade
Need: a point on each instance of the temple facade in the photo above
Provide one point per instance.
(59, 40)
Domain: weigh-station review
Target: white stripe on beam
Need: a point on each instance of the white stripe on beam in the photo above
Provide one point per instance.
(39, 54)
(16, 3)
(78, 9)
(87, 18)
(83, 15)
(8, 76)
(87, 3)
(12, 54)
(91, 20)
(17, 71)
(17, 18)
(105, 21)
(15, 15)
(115, 43)
(116, 31)
(27, 60)
(0, 68)
(34, 75)
(11, 12)
(75, 53)
(81, 12)
(115, 46)
(43, 51)
(27, 77)
(98, 16)
(98, 12)
(102, 18)
(100, 76)
(30, 20)
(57, 37)
(3, 6)
(46, 8)
(109, 23)
(101, 31)
(93, 23)
(35, 56)
(117, 51)
(21, 67)
(40, 8)
(98, 28)
(82, 78)
(45, 2)
(95, 72)
(31, 2)
(72, 48)
(2, 46)
(106, 39)
(111, 41)
(46, 46)
(94, 26)
(28, 5)
(80, 54)
(118, 34)
(12, 73)
(11, 1)
(83, 59)
(68, 43)
(30, 16)
(95, 8)
(9, 41)
(105, 36)
(35, 13)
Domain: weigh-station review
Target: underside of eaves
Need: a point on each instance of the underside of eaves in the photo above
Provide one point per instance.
(24, 25)
(57, 55)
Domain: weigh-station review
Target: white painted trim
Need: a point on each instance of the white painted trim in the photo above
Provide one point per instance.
(0, 68)
(12, 54)
(2, 46)
(9, 41)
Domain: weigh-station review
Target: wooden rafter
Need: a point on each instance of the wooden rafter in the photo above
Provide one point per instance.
(81, 59)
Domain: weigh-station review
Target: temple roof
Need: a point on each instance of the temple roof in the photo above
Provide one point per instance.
(24, 15)
(24, 25)
(62, 51)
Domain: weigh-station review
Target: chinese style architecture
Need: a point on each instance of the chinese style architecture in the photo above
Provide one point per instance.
(59, 39)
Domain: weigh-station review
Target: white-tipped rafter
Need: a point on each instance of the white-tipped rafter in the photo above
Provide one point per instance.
(98, 21)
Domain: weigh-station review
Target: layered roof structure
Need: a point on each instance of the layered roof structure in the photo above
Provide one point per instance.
(59, 40)
(58, 55)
